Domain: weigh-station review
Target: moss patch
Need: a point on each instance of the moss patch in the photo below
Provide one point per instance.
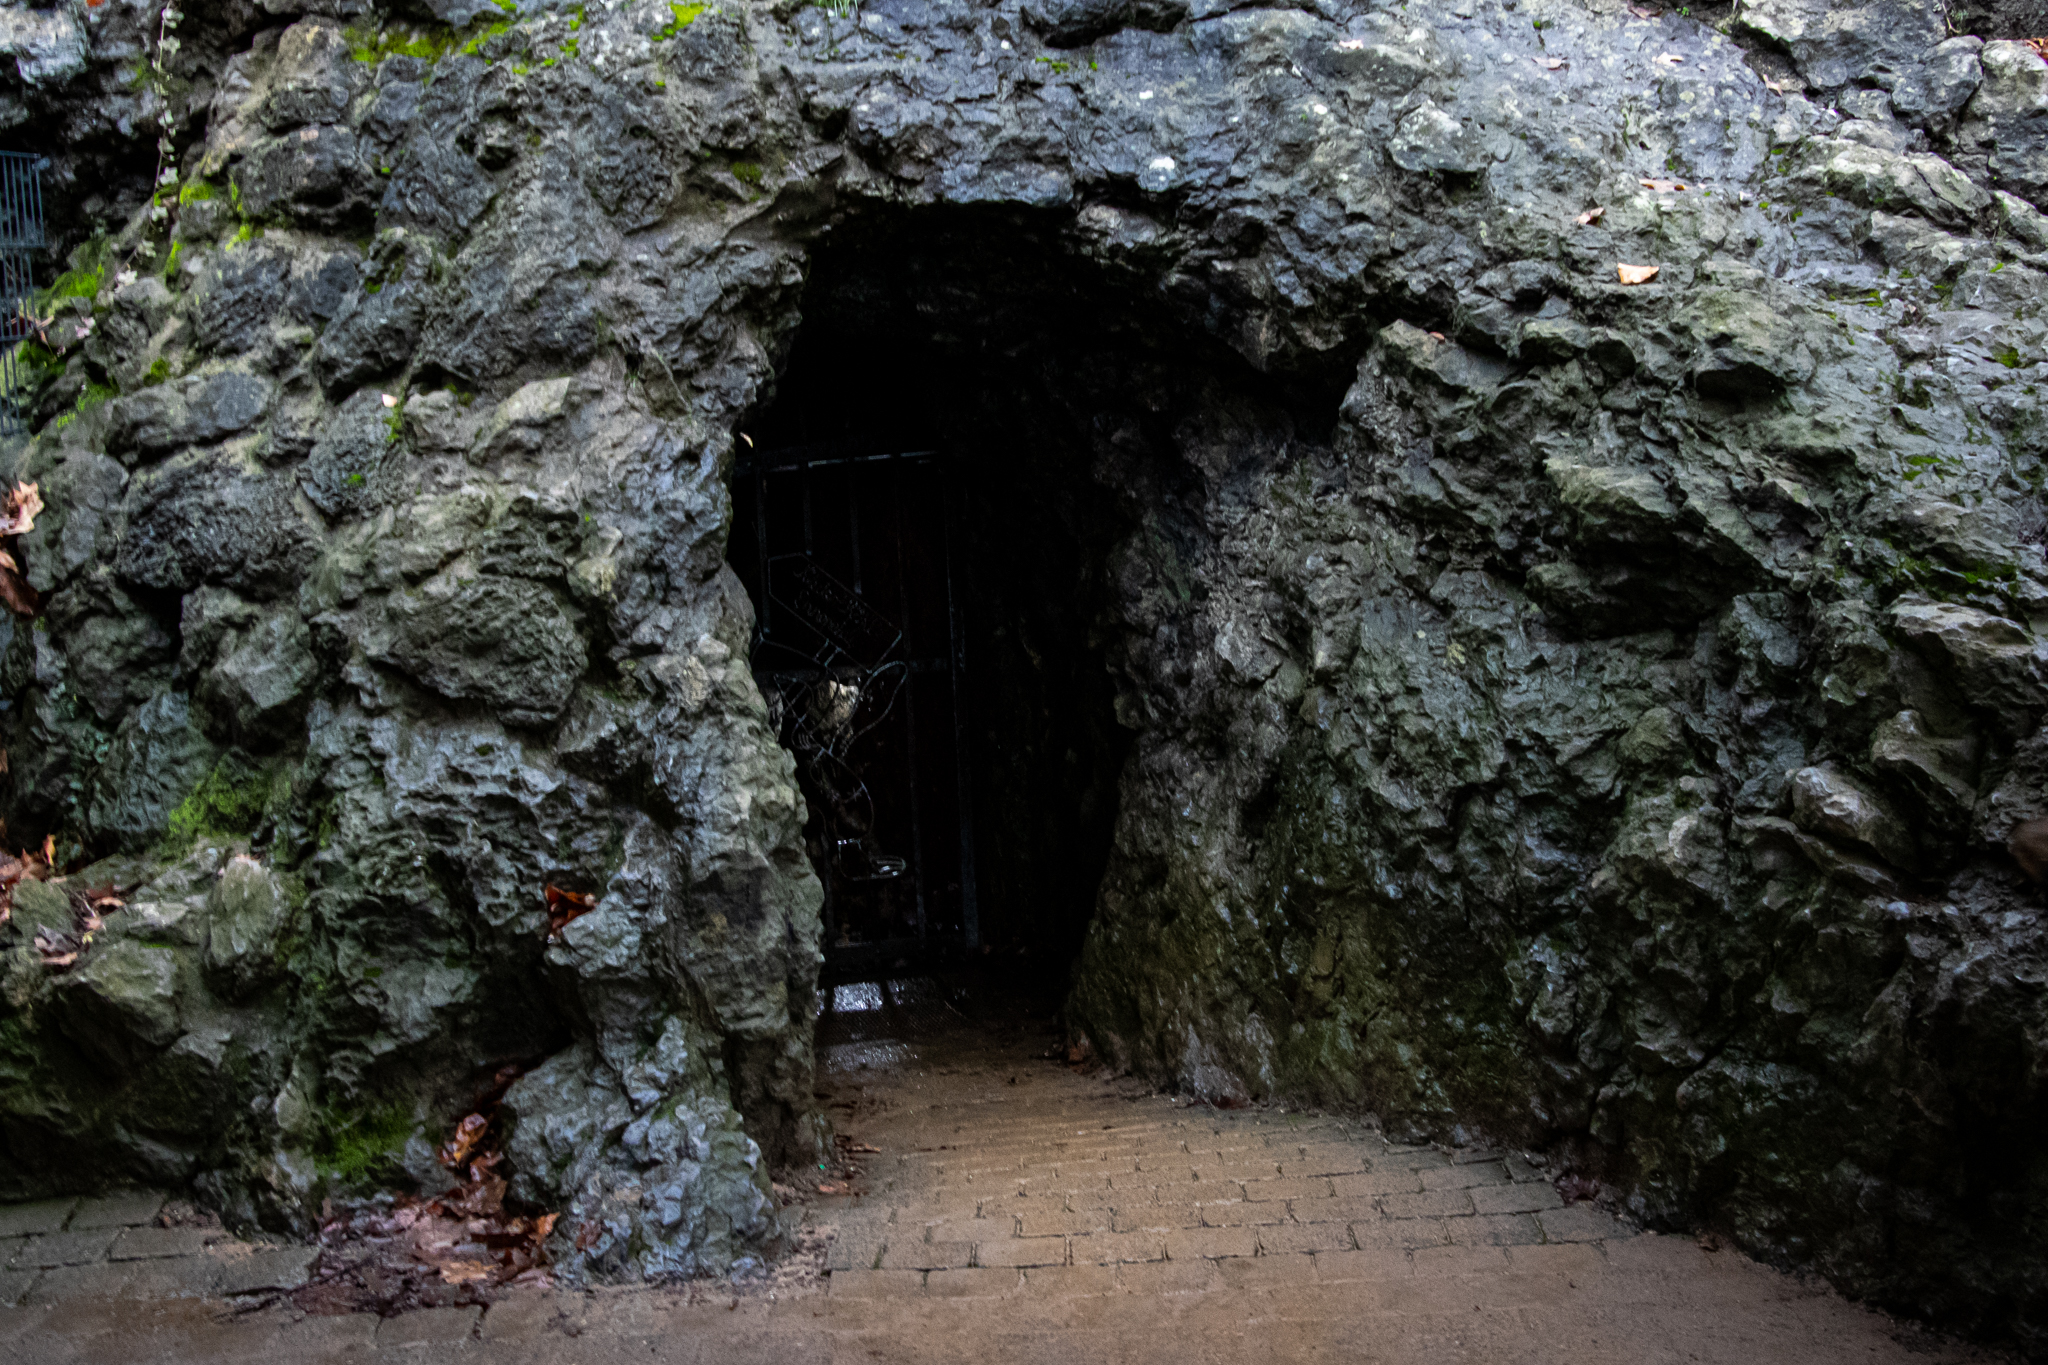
(229, 801)
(363, 1147)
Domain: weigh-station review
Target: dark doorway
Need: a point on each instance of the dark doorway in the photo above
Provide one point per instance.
(925, 466)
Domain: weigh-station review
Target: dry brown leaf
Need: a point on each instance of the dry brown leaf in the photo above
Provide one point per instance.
(1664, 186)
(465, 1271)
(1592, 215)
(468, 1134)
(20, 598)
(1438, 336)
(1636, 274)
(18, 508)
(2040, 46)
(565, 906)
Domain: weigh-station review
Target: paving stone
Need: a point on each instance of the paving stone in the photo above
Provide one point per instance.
(1108, 1248)
(1297, 1237)
(523, 1317)
(1344, 1209)
(1431, 1204)
(1062, 1223)
(855, 1253)
(1259, 1191)
(1191, 1276)
(283, 1268)
(1582, 1223)
(128, 1209)
(1370, 1263)
(976, 1283)
(63, 1248)
(178, 1277)
(1530, 1198)
(877, 1284)
(1188, 1244)
(1256, 1272)
(1495, 1229)
(1156, 1217)
(33, 1220)
(1332, 1159)
(901, 1255)
(1239, 1213)
(427, 1327)
(1070, 1281)
(1402, 1234)
(1022, 1252)
(1464, 1176)
(14, 1286)
(101, 1280)
(1380, 1180)
(141, 1244)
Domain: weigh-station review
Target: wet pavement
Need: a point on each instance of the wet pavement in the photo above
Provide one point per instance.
(1018, 1208)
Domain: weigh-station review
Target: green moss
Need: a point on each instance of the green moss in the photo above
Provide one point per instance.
(159, 371)
(94, 396)
(489, 31)
(2009, 357)
(363, 1147)
(748, 173)
(196, 192)
(171, 261)
(683, 17)
(230, 800)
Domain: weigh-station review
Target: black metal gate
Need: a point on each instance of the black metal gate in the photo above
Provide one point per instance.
(21, 232)
(859, 647)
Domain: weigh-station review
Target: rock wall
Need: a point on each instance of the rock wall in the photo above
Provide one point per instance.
(1585, 712)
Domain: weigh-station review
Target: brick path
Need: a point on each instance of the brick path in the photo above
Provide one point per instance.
(1021, 1212)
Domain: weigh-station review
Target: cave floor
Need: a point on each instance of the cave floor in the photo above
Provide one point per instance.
(1020, 1208)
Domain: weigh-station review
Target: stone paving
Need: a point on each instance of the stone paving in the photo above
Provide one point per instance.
(1020, 1211)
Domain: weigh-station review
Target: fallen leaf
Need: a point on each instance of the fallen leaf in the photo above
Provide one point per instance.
(1669, 58)
(1437, 336)
(544, 1225)
(468, 1134)
(1592, 215)
(2040, 46)
(465, 1271)
(1636, 274)
(20, 598)
(390, 400)
(1644, 11)
(565, 906)
(825, 1187)
(18, 509)
(587, 1235)
(1664, 186)
(1551, 63)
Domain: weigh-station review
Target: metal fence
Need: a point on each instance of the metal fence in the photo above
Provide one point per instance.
(21, 233)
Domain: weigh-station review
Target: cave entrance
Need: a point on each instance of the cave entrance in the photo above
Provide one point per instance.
(917, 524)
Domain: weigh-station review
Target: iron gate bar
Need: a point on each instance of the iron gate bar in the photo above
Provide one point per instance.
(788, 459)
(970, 909)
(21, 202)
(909, 700)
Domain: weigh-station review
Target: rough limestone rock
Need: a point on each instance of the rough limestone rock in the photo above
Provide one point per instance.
(1583, 713)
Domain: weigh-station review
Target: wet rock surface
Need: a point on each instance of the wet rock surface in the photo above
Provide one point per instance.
(1584, 713)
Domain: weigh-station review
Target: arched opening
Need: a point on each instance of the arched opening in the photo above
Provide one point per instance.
(977, 411)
